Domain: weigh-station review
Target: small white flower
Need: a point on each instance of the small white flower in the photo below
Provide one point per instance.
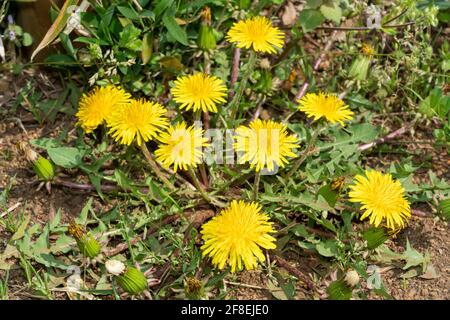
(115, 267)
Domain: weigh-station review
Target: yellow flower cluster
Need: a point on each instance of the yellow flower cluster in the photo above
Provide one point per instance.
(236, 235)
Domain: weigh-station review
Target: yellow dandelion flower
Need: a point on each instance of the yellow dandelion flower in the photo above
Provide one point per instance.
(325, 105)
(199, 91)
(256, 32)
(140, 119)
(98, 105)
(367, 50)
(382, 199)
(264, 144)
(236, 235)
(181, 146)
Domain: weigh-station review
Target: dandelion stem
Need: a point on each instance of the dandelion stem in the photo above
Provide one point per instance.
(234, 71)
(256, 186)
(308, 150)
(202, 191)
(234, 104)
(155, 167)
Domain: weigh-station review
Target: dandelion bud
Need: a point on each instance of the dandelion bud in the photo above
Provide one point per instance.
(43, 168)
(193, 289)
(352, 278)
(206, 38)
(359, 68)
(132, 281)
(87, 244)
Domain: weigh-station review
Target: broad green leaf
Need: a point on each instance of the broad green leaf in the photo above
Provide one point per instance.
(66, 157)
(339, 290)
(444, 208)
(327, 248)
(374, 237)
(174, 29)
(332, 12)
(310, 19)
(412, 257)
(128, 13)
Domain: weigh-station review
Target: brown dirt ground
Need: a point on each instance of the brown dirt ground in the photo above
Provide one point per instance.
(424, 233)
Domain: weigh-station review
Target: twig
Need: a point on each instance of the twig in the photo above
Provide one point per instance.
(84, 186)
(244, 285)
(397, 26)
(10, 209)
(305, 85)
(259, 108)
(390, 136)
(300, 275)
(234, 71)
(420, 213)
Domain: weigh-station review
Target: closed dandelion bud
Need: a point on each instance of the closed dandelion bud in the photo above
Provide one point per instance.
(44, 169)
(206, 38)
(87, 244)
(352, 278)
(359, 68)
(193, 289)
(132, 281)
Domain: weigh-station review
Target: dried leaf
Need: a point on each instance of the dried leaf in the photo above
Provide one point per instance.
(289, 16)
(57, 26)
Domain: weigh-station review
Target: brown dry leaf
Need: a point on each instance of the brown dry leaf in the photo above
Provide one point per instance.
(289, 14)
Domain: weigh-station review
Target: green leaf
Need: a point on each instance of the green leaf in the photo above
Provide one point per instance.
(128, 13)
(27, 40)
(66, 157)
(412, 257)
(21, 229)
(45, 143)
(329, 195)
(444, 208)
(339, 290)
(310, 19)
(327, 248)
(147, 47)
(129, 38)
(374, 237)
(174, 29)
(84, 212)
(332, 12)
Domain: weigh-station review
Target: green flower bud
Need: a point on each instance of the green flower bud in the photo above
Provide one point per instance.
(193, 289)
(132, 281)
(359, 68)
(206, 38)
(44, 169)
(87, 244)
